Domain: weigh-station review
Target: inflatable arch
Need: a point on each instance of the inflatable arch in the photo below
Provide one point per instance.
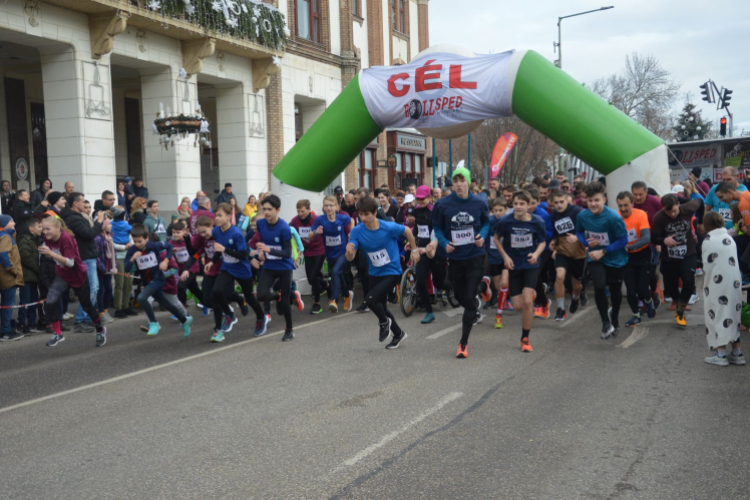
(447, 91)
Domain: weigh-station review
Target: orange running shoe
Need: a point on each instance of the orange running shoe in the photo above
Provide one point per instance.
(526, 345)
(298, 301)
(348, 301)
(537, 312)
(545, 309)
(463, 352)
(680, 321)
(487, 294)
(333, 306)
(498, 321)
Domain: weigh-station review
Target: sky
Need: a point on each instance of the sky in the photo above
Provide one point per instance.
(693, 39)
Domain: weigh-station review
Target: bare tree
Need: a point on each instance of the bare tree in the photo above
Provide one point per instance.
(644, 91)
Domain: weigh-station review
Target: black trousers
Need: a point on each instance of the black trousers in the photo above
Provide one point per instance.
(59, 289)
(607, 277)
(265, 284)
(637, 276)
(672, 270)
(314, 272)
(363, 267)
(224, 289)
(465, 276)
(190, 284)
(425, 266)
(541, 295)
(377, 299)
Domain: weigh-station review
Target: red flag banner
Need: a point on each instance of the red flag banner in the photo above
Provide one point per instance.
(501, 152)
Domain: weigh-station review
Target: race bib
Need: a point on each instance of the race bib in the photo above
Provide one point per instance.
(209, 250)
(146, 261)
(379, 258)
(273, 257)
(58, 252)
(333, 241)
(462, 237)
(677, 252)
(602, 238)
(181, 254)
(423, 231)
(521, 240)
(726, 213)
(564, 225)
(492, 244)
(632, 235)
(304, 232)
(229, 259)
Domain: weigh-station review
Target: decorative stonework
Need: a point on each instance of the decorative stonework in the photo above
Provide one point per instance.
(257, 106)
(31, 8)
(194, 52)
(96, 91)
(262, 71)
(220, 60)
(142, 39)
(103, 29)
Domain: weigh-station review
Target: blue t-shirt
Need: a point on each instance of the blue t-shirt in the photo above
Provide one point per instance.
(233, 239)
(719, 206)
(460, 221)
(380, 246)
(520, 238)
(549, 230)
(489, 244)
(334, 235)
(607, 227)
(274, 237)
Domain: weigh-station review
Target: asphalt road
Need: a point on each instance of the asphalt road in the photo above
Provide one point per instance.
(335, 415)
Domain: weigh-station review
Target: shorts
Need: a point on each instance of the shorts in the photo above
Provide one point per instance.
(496, 269)
(522, 278)
(575, 267)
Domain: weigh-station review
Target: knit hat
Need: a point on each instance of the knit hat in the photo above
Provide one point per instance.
(4, 220)
(54, 196)
(117, 213)
(697, 171)
(462, 171)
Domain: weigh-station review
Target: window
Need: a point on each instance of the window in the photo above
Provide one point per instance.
(394, 14)
(408, 162)
(401, 17)
(367, 161)
(357, 8)
(308, 20)
(398, 15)
(398, 162)
(418, 164)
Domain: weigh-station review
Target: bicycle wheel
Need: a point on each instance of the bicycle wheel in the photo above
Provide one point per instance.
(448, 290)
(408, 292)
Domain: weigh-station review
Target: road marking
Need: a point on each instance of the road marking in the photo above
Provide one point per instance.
(576, 316)
(439, 334)
(393, 435)
(158, 367)
(639, 332)
(454, 312)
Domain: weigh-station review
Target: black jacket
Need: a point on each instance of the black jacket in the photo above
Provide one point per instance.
(37, 196)
(84, 233)
(6, 202)
(22, 212)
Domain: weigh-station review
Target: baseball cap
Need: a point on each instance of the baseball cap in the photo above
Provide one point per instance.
(678, 189)
(554, 184)
(462, 171)
(423, 192)
(338, 190)
(409, 198)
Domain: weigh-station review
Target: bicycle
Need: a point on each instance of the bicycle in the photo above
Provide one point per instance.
(409, 295)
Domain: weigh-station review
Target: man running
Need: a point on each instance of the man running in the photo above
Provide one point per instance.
(570, 255)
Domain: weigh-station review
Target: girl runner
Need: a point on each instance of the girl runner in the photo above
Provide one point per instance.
(332, 228)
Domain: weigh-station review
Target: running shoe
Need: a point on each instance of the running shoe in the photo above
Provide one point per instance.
(244, 308)
(681, 321)
(396, 341)
(584, 299)
(83, 328)
(651, 308)
(632, 322)
(333, 306)
(694, 298)
(349, 302)
(101, 337)
(173, 318)
(385, 330)
(668, 299)
(228, 323)
(509, 306)
(186, 326)
(153, 329)
(363, 308)
(143, 328)
(699, 272)
(607, 330)
(463, 352)
(545, 309)
(10, 337)
(131, 312)
(288, 335)
(498, 321)
(218, 336)
(56, 339)
(561, 315)
(268, 318)
(206, 311)
(428, 318)
(67, 316)
(537, 312)
(736, 360)
(298, 301)
(478, 318)
(316, 309)
(487, 293)
(526, 345)
(261, 327)
(574, 305)
(717, 360)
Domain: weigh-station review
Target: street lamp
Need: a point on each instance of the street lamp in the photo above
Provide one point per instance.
(559, 30)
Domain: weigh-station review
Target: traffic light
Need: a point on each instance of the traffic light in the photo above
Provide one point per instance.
(706, 92)
(726, 98)
(723, 127)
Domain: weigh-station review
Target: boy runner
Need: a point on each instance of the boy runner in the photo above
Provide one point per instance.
(498, 272)
(602, 231)
(541, 302)
(570, 255)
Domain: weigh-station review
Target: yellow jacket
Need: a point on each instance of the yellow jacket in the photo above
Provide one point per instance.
(249, 210)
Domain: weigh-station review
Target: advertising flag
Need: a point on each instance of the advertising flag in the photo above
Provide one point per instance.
(501, 152)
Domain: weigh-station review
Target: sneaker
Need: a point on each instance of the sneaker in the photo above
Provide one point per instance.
(699, 272)
(574, 305)
(10, 337)
(268, 318)
(67, 316)
(668, 299)
(186, 326)
(120, 315)
(244, 308)
(333, 306)
(717, 360)
(694, 298)
(143, 328)
(316, 309)
(487, 294)
(509, 306)
(545, 309)
(396, 341)
(584, 299)
(107, 319)
(735, 360)
(385, 330)
(297, 298)
(561, 315)
(153, 329)
(101, 337)
(537, 312)
(479, 318)
(607, 330)
(673, 307)
(261, 327)
(428, 318)
(26, 331)
(498, 321)
(463, 352)
(349, 302)
(64, 328)
(218, 336)
(131, 312)
(228, 323)
(174, 318)
(651, 311)
(198, 304)
(83, 328)
(288, 335)
(363, 308)
(616, 326)
(206, 311)
(526, 345)
(680, 321)
(36, 329)
(56, 339)
(633, 321)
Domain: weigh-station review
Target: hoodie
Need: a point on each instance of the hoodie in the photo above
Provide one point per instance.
(38, 195)
(22, 212)
(121, 232)
(11, 271)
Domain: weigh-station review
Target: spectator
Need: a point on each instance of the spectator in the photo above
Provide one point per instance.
(106, 264)
(701, 186)
(11, 276)
(138, 211)
(139, 190)
(338, 192)
(28, 244)
(250, 207)
(7, 195)
(122, 199)
(53, 204)
(184, 210)
(85, 231)
(106, 203)
(198, 196)
(40, 194)
(437, 194)
(69, 188)
(154, 222)
(204, 208)
(236, 214)
(87, 210)
(22, 211)
(226, 194)
(123, 284)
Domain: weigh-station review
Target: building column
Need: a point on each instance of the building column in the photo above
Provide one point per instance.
(274, 124)
(170, 173)
(243, 156)
(423, 10)
(78, 119)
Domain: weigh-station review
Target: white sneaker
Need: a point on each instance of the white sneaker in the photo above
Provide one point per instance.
(668, 299)
(694, 298)
(717, 360)
(735, 360)
(699, 272)
(67, 316)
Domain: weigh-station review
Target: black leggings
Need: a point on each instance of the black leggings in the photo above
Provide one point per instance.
(541, 295)
(267, 279)
(465, 276)
(637, 276)
(425, 266)
(190, 284)
(377, 300)
(363, 272)
(57, 291)
(224, 290)
(607, 277)
(314, 272)
(210, 290)
(674, 270)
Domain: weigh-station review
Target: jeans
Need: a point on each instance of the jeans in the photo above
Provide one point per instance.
(7, 298)
(104, 294)
(338, 282)
(81, 315)
(154, 290)
(28, 293)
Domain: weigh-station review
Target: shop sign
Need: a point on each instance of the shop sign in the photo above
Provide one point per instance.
(695, 156)
(412, 142)
(737, 154)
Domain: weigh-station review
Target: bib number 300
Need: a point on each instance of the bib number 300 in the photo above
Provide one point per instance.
(462, 237)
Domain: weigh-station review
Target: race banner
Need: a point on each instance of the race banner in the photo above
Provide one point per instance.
(502, 149)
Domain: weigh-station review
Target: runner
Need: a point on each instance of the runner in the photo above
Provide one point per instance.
(182, 255)
(70, 272)
(637, 273)
(332, 228)
(378, 240)
(464, 218)
(651, 205)
(231, 248)
(498, 272)
(521, 237)
(672, 228)
(726, 193)
(603, 232)
(315, 253)
(422, 214)
(541, 302)
(570, 255)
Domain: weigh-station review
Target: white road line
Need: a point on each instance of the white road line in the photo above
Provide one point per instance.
(159, 367)
(577, 316)
(454, 312)
(639, 332)
(393, 435)
(439, 334)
